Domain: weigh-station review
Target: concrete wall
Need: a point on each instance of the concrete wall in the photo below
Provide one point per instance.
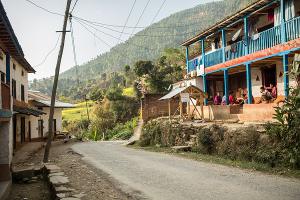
(152, 108)
(3, 63)
(34, 121)
(16, 74)
(18, 130)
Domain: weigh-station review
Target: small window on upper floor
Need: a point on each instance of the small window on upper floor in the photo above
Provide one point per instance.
(2, 76)
(14, 88)
(40, 108)
(1, 55)
(22, 93)
(22, 73)
(14, 66)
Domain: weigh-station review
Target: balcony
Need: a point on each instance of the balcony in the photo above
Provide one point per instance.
(5, 96)
(267, 39)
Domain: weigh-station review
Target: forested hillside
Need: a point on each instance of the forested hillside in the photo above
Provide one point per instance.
(148, 44)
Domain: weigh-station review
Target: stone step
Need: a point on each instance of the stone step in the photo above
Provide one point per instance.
(190, 144)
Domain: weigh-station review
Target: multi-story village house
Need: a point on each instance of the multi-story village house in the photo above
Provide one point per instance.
(250, 49)
(14, 109)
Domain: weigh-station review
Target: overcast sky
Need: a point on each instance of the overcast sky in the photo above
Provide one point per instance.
(36, 29)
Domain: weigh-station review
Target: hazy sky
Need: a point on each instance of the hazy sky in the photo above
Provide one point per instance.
(36, 28)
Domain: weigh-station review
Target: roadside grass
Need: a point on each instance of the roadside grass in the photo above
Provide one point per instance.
(77, 113)
(128, 92)
(253, 166)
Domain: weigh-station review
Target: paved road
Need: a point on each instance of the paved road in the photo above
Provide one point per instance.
(159, 176)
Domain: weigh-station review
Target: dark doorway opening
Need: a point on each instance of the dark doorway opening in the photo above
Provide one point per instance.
(54, 124)
(269, 76)
(15, 131)
(29, 131)
(40, 128)
(22, 130)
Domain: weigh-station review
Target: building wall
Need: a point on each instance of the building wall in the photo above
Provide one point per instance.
(34, 121)
(16, 74)
(3, 63)
(5, 150)
(18, 130)
(152, 108)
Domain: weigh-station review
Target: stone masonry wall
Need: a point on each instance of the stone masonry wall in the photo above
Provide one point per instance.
(152, 108)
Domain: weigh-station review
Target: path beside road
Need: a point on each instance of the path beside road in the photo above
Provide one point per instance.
(160, 176)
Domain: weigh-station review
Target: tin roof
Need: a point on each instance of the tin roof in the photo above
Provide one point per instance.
(177, 91)
(28, 111)
(46, 100)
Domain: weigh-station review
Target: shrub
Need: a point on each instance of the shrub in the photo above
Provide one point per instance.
(205, 138)
(96, 136)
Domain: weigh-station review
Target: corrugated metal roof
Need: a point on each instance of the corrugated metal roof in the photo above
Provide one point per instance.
(179, 90)
(46, 100)
(173, 93)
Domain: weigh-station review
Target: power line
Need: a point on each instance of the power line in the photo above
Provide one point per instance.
(137, 23)
(113, 36)
(126, 21)
(105, 42)
(45, 9)
(74, 52)
(49, 52)
(74, 6)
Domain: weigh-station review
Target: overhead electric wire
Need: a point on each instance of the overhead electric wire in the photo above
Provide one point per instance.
(119, 26)
(112, 35)
(74, 6)
(137, 24)
(49, 52)
(104, 42)
(126, 21)
(44, 8)
(74, 52)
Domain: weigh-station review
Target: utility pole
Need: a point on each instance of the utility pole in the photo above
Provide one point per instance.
(50, 130)
(87, 110)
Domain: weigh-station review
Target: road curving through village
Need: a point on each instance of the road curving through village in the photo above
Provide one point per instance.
(158, 176)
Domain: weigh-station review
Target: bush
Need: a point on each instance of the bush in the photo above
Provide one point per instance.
(205, 138)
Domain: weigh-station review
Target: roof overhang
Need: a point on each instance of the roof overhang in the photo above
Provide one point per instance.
(192, 90)
(27, 111)
(229, 20)
(9, 42)
(56, 105)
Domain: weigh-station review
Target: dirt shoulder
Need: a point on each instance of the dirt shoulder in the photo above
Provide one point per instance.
(85, 182)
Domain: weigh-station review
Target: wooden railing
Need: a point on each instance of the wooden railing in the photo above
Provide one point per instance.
(213, 58)
(292, 28)
(5, 96)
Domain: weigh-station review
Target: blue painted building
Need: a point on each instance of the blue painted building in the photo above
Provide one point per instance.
(247, 50)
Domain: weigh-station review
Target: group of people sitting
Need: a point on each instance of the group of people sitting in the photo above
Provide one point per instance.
(268, 94)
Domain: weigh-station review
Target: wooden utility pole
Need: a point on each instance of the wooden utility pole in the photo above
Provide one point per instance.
(87, 110)
(50, 130)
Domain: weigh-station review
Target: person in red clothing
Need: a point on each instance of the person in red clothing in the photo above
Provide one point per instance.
(232, 100)
(274, 90)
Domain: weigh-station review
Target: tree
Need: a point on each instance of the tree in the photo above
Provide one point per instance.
(143, 67)
(97, 95)
(103, 76)
(126, 73)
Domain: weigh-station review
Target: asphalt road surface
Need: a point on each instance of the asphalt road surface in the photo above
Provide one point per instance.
(158, 176)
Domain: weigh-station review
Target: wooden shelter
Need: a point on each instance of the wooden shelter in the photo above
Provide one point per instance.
(194, 94)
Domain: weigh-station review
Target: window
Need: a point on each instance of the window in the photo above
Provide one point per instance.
(14, 89)
(22, 73)
(1, 55)
(14, 66)
(22, 93)
(2, 76)
(40, 108)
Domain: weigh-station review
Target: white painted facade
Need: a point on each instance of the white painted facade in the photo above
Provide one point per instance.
(20, 79)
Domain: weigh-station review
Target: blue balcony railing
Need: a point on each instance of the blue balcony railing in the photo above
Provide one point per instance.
(267, 39)
(213, 58)
(292, 28)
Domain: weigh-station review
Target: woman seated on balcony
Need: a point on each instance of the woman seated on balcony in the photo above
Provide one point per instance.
(218, 99)
(265, 95)
(273, 90)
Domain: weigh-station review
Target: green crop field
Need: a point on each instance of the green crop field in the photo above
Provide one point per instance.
(79, 112)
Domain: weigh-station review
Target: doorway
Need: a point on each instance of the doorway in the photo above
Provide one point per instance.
(40, 128)
(29, 131)
(15, 131)
(22, 130)
(269, 76)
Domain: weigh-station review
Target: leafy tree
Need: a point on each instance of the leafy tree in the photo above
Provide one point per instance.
(97, 95)
(116, 94)
(143, 67)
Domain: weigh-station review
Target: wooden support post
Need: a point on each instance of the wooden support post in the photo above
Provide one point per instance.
(181, 110)
(201, 106)
(170, 109)
(286, 76)
(249, 84)
(189, 110)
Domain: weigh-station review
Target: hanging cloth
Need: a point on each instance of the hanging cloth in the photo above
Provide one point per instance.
(236, 35)
(256, 36)
(233, 48)
(195, 63)
(271, 14)
(250, 28)
(289, 10)
(217, 42)
(277, 16)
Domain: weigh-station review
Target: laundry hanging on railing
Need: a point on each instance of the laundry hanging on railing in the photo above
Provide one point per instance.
(255, 37)
(195, 63)
(277, 16)
(217, 43)
(252, 27)
(233, 48)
